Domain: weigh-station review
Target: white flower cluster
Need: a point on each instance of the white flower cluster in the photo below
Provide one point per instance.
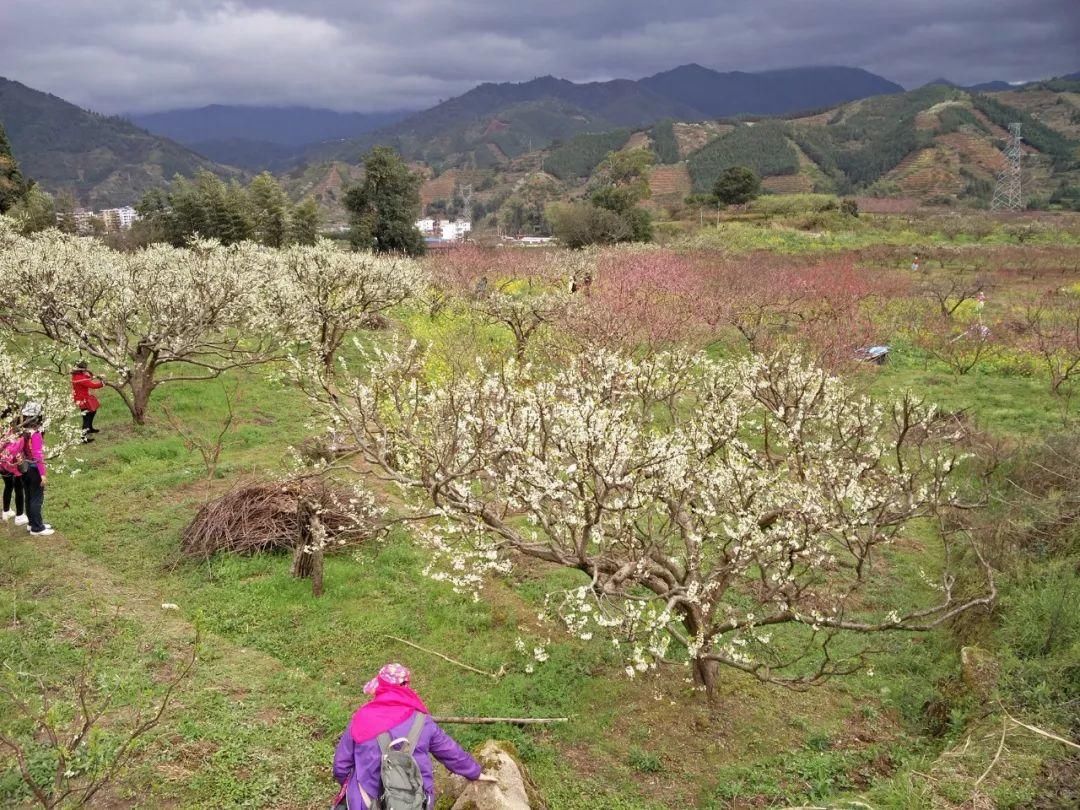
(705, 501)
(318, 294)
(206, 306)
(21, 381)
(463, 555)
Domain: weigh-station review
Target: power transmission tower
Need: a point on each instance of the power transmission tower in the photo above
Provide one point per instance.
(1007, 192)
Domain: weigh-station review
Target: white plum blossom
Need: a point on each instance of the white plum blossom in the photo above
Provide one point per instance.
(318, 294)
(143, 318)
(21, 381)
(709, 506)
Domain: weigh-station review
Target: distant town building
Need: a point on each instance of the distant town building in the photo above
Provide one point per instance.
(118, 219)
(83, 217)
(110, 219)
(443, 230)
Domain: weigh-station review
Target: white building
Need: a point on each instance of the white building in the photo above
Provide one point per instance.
(444, 229)
(119, 219)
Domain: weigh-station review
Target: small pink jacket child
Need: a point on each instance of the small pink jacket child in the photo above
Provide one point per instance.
(11, 452)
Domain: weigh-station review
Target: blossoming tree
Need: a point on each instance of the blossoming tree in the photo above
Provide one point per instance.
(726, 513)
(319, 293)
(158, 315)
(21, 382)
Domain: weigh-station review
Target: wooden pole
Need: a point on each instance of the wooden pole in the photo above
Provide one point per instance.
(517, 721)
(493, 675)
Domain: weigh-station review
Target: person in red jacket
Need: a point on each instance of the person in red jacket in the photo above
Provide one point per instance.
(82, 384)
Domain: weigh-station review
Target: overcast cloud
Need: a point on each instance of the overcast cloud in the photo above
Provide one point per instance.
(146, 55)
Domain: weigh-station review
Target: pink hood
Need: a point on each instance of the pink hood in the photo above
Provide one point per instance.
(391, 706)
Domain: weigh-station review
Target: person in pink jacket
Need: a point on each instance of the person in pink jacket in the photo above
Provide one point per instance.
(10, 456)
(33, 469)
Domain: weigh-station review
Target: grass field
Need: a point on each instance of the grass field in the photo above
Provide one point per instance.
(279, 671)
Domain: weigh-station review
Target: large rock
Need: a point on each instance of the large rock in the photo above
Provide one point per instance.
(513, 789)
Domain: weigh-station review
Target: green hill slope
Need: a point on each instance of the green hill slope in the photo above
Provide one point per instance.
(937, 144)
(105, 161)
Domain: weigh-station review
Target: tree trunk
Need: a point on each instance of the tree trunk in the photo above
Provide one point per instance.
(705, 674)
(705, 670)
(302, 558)
(316, 572)
(307, 558)
(142, 385)
(302, 562)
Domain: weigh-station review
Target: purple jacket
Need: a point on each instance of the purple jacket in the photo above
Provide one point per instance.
(353, 761)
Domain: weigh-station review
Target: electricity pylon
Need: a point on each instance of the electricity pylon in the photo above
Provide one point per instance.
(1007, 192)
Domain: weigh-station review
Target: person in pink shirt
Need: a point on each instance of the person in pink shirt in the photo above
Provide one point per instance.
(10, 455)
(32, 467)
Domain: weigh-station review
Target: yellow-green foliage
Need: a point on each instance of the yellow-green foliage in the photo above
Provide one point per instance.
(787, 204)
(456, 334)
(815, 232)
(1012, 362)
(967, 312)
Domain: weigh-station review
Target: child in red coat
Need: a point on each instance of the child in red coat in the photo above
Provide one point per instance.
(82, 383)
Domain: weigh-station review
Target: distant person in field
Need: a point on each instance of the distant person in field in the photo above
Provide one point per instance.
(395, 720)
(10, 456)
(32, 468)
(82, 384)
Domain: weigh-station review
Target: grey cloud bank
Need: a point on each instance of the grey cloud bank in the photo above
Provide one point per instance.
(147, 55)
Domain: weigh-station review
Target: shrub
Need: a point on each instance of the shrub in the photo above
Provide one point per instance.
(579, 224)
(789, 204)
(736, 185)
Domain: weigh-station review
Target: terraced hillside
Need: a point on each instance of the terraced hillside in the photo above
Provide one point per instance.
(670, 185)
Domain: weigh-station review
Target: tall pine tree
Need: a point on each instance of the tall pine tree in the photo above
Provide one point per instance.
(269, 207)
(384, 207)
(304, 224)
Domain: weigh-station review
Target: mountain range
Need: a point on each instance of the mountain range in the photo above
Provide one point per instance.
(267, 137)
(104, 160)
(547, 109)
(259, 137)
(836, 128)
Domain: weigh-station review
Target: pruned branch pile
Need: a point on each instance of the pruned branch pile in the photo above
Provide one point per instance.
(264, 517)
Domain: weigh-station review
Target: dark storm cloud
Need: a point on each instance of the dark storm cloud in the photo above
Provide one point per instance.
(140, 55)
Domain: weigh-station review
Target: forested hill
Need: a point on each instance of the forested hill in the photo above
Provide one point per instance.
(938, 144)
(11, 180)
(518, 117)
(105, 161)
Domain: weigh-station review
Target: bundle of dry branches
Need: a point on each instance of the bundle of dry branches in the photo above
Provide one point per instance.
(264, 517)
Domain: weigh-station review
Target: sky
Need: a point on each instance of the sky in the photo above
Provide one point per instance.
(117, 56)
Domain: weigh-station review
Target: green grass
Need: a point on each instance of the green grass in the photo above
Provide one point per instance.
(280, 671)
(831, 232)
